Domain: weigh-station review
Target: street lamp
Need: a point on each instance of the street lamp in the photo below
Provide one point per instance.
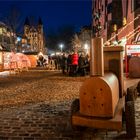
(61, 47)
(86, 47)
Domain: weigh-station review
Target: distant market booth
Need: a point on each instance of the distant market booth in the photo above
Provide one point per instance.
(15, 61)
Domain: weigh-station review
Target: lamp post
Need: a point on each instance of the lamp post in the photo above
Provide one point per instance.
(61, 47)
(86, 47)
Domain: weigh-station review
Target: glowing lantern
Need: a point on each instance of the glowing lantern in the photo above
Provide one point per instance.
(124, 21)
(23, 41)
(114, 27)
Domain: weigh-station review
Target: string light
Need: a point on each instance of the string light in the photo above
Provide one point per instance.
(123, 29)
(133, 34)
(132, 31)
(115, 27)
(124, 21)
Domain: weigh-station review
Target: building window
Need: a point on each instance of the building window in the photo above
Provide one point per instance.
(0, 30)
(137, 4)
(126, 8)
(105, 3)
(0, 38)
(109, 8)
(102, 8)
(95, 4)
(5, 39)
(8, 40)
(4, 30)
(132, 5)
(105, 25)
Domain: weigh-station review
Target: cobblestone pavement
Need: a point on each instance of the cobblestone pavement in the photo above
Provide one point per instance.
(45, 118)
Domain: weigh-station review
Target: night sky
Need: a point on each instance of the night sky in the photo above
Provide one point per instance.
(54, 13)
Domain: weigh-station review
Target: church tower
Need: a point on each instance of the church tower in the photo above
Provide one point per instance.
(40, 35)
(35, 36)
(26, 27)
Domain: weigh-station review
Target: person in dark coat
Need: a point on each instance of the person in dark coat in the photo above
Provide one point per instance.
(69, 62)
(63, 63)
(81, 65)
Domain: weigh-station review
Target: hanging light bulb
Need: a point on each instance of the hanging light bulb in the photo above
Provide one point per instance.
(115, 27)
(124, 21)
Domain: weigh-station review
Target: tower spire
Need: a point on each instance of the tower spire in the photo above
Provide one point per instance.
(26, 21)
(40, 21)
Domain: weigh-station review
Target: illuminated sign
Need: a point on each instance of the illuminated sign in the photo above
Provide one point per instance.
(133, 49)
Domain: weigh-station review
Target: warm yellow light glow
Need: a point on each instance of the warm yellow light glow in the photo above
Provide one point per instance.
(4, 30)
(86, 46)
(40, 53)
(0, 30)
(114, 27)
(124, 21)
(128, 24)
(1, 60)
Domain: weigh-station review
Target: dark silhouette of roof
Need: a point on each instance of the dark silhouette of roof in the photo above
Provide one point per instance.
(27, 21)
(31, 53)
(32, 23)
(87, 27)
(2, 24)
(40, 21)
(6, 26)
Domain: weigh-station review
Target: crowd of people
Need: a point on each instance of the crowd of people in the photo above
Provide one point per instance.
(73, 64)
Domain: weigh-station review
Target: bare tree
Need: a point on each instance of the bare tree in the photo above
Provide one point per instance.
(76, 43)
(13, 18)
(63, 34)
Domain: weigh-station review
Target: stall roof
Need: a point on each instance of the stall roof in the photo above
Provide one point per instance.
(30, 53)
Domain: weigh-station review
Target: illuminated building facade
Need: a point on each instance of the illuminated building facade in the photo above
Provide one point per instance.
(116, 20)
(7, 38)
(34, 36)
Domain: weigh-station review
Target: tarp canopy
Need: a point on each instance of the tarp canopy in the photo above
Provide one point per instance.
(16, 60)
